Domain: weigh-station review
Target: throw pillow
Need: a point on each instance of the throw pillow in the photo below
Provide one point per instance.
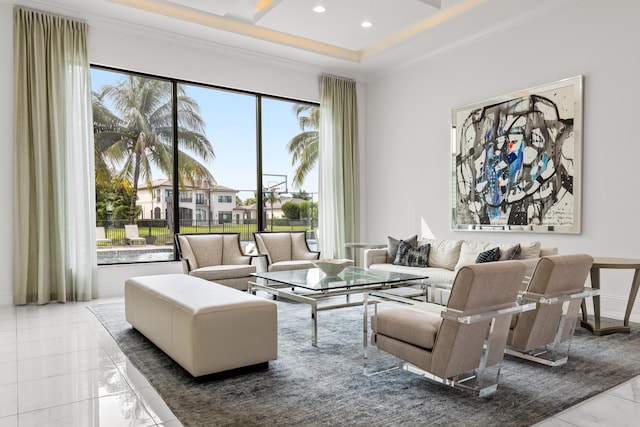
(489, 256)
(469, 251)
(409, 256)
(392, 246)
(444, 253)
(530, 250)
(403, 248)
(511, 253)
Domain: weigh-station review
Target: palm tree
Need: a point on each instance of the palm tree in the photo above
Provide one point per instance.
(138, 134)
(304, 146)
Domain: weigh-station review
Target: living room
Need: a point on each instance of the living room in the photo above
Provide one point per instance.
(405, 116)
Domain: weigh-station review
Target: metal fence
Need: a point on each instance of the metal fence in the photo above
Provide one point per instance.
(157, 232)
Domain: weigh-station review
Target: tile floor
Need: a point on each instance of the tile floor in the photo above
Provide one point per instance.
(60, 367)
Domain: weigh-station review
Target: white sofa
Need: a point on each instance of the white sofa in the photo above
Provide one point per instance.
(446, 257)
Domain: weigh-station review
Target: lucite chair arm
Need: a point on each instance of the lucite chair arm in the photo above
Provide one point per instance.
(474, 317)
(557, 299)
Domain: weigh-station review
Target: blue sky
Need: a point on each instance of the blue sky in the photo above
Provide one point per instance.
(230, 126)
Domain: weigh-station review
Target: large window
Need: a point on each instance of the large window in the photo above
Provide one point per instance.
(231, 161)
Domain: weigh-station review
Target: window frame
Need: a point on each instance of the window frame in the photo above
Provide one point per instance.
(175, 192)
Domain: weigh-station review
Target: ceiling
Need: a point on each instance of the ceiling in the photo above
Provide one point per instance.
(402, 30)
(336, 32)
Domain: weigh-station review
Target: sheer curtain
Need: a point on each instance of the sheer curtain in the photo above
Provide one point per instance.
(339, 219)
(54, 215)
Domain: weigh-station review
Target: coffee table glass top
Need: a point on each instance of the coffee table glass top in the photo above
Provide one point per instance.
(350, 277)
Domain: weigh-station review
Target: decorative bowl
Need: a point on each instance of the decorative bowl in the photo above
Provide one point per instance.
(332, 267)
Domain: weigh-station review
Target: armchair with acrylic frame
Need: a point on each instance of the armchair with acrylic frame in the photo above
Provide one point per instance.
(462, 344)
(557, 288)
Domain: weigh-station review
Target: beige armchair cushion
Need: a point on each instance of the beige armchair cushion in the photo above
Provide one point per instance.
(299, 248)
(202, 251)
(291, 265)
(221, 272)
(280, 247)
(418, 327)
(277, 246)
(232, 252)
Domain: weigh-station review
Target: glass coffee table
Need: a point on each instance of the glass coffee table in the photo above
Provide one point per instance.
(311, 285)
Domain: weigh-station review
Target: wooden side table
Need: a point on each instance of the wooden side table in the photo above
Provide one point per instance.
(351, 246)
(606, 328)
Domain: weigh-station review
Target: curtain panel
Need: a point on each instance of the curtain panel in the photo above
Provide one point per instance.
(54, 214)
(339, 219)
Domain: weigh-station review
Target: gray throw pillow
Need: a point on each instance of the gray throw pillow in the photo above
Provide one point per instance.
(392, 246)
(409, 256)
(513, 252)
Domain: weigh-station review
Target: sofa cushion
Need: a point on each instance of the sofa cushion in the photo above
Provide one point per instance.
(437, 276)
(488, 256)
(443, 253)
(392, 246)
(530, 250)
(412, 257)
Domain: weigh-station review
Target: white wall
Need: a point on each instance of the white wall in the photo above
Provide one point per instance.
(407, 144)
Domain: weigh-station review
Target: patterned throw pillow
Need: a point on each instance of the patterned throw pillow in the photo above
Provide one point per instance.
(488, 256)
(392, 246)
(412, 257)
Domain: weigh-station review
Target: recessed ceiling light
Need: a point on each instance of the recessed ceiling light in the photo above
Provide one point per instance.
(319, 9)
(366, 24)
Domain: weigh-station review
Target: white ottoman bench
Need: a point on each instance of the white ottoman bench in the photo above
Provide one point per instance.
(203, 326)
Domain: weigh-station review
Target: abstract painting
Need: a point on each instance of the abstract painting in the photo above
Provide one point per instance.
(517, 161)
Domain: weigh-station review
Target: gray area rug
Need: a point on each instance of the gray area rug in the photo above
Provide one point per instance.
(325, 386)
